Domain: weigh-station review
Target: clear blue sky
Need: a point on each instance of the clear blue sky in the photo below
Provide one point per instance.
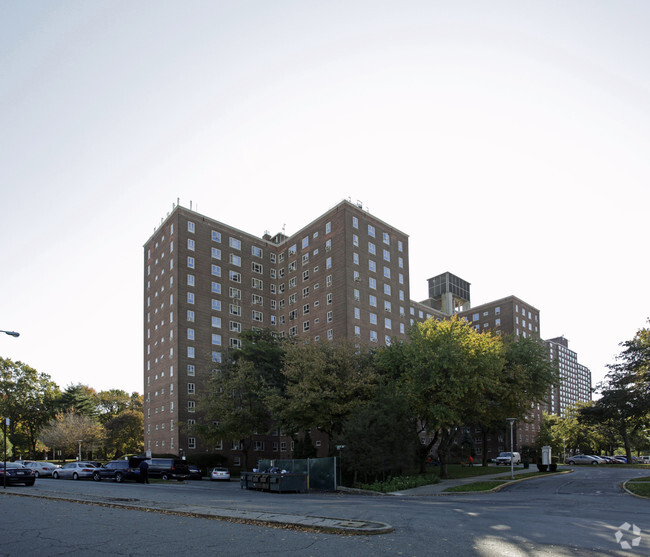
(513, 135)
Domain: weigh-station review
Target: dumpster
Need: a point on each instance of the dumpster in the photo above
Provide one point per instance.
(280, 483)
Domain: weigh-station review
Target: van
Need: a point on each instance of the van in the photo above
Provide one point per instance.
(504, 458)
(169, 469)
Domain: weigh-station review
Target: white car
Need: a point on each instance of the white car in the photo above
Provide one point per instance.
(504, 458)
(220, 474)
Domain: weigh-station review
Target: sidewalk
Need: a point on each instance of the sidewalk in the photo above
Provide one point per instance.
(439, 488)
(259, 518)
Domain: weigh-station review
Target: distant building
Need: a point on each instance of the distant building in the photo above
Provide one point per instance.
(575, 378)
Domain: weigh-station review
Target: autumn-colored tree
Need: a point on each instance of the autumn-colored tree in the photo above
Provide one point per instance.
(28, 399)
(68, 430)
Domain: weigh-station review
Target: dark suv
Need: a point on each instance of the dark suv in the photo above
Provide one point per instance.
(169, 469)
(118, 470)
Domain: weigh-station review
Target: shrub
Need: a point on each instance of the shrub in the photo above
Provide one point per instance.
(401, 482)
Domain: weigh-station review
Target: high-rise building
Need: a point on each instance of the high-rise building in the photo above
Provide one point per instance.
(344, 275)
(575, 379)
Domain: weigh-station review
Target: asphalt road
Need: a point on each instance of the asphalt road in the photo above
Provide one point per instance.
(572, 514)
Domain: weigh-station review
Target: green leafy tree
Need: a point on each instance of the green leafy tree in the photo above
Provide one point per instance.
(625, 393)
(124, 433)
(236, 406)
(109, 404)
(379, 438)
(79, 398)
(28, 399)
(526, 378)
(447, 367)
(325, 381)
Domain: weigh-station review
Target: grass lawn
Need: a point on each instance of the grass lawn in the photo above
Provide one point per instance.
(457, 472)
(639, 486)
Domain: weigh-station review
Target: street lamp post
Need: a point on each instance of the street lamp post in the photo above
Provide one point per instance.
(11, 333)
(511, 421)
(5, 423)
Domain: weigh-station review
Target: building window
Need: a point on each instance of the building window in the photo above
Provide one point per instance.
(216, 236)
(190, 226)
(191, 388)
(234, 243)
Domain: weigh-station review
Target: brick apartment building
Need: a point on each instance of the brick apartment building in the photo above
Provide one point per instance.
(344, 275)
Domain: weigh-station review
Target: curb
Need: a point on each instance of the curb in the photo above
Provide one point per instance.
(506, 483)
(624, 487)
(307, 523)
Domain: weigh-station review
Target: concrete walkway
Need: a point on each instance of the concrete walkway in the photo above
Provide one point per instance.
(500, 472)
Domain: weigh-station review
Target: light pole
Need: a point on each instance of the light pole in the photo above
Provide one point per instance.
(511, 421)
(11, 333)
(5, 423)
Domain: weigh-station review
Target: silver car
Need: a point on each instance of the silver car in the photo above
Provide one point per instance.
(582, 459)
(75, 470)
(42, 469)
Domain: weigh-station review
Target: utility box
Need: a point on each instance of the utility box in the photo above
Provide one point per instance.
(546, 455)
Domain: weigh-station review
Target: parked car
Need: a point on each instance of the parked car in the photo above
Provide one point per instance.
(75, 470)
(43, 468)
(504, 458)
(40, 468)
(599, 458)
(169, 469)
(582, 459)
(15, 473)
(118, 470)
(620, 459)
(195, 472)
(644, 459)
(220, 474)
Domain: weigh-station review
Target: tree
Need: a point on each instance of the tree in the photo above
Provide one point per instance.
(125, 433)
(109, 404)
(325, 381)
(379, 438)
(68, 430)
(625, 400)
(525, 379)
(447, 369)
(27, 398)
(79, 398)
(236, 406)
